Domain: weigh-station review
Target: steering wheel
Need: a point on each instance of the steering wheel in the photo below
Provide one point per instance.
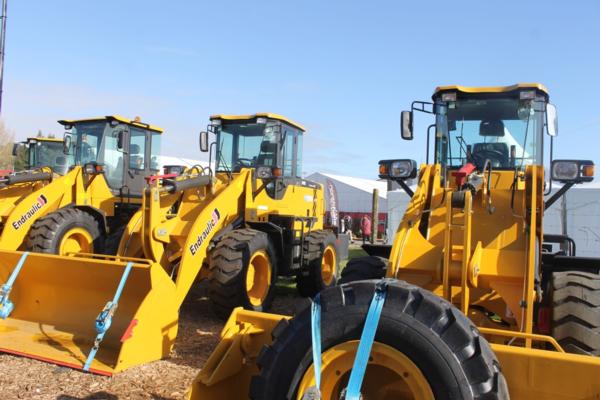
(243, 163)
(496, 157)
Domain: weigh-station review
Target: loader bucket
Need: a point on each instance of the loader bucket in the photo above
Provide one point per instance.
(227, 372)
(57, 300)
(530, 373)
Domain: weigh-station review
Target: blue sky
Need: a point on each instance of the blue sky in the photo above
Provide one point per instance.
(344, 69)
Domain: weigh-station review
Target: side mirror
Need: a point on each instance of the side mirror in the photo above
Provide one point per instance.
(120, 140)
(15, 149)
(406, 125)
(551, 120)
(572, 171)
(67, 143)
(204, 141)
(397, 169)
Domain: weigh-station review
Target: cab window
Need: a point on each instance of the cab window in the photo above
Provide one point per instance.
(113, 160)
(155, 152)
(137, 148)
(299, 154)
(288, 152)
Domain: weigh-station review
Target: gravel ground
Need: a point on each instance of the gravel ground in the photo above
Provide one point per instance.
(23, 378)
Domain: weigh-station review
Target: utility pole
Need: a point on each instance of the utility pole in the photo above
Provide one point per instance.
(2, 42)
(375, 216)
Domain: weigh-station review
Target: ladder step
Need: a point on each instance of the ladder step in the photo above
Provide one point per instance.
(457, 253)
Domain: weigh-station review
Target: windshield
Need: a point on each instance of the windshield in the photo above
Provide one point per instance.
(48, 153)
(505, 131)
(246, 145)
(86, 140)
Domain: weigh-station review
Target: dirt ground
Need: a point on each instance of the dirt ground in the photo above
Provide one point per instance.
(22, 378)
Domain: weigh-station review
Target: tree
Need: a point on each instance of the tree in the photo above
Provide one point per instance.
(6, 145)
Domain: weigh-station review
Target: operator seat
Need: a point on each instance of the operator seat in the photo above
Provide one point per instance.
(135, 156)
(496, 152)
(267, 154)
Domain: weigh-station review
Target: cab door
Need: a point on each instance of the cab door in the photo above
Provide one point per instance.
(138, 163)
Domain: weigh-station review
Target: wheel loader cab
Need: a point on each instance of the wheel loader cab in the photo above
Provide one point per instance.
(125, 151)
(267, 142)
(46, 152)
(504, 128)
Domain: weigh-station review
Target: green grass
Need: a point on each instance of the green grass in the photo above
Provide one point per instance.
(287, 285)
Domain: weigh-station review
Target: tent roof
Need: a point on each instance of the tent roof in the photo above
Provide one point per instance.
(366, 185)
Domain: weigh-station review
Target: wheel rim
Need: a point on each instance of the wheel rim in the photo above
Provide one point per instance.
(328, 265)
(390, 374)
(76, 240)
(258, 277)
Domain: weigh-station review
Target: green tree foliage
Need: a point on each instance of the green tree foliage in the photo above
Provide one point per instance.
(6, 146)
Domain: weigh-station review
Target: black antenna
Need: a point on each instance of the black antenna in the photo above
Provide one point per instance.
(2, 41)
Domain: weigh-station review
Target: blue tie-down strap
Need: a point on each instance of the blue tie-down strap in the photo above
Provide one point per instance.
(315, 325)
(314, 392)
(7, 306)
(366, 342)
(104, 319)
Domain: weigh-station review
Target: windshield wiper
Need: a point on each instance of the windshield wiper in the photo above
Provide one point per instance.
(525, 139)
(222, 160)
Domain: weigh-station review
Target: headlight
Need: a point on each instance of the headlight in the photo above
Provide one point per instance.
(264, 172)
(401, 169)
(572, 171)
(173, 169)
(397, 169)
(93, 168)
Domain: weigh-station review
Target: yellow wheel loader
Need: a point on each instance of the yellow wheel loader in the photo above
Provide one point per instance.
(239, 225)
(38, 152)
(108, 160)
(37, 162)
(476, 301)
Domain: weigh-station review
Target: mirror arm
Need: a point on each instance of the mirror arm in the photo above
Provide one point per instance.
(558, 194)
(404, 186)
(428, 138)
(414, 106)
(551, 158)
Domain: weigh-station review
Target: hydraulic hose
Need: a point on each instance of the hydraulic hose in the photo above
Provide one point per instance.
(173, 186)
(22, 178)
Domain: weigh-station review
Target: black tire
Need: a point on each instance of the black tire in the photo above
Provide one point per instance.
(455, 360)
(113, 241)
(47, 233)
(313, 282)
(362, 268)
(576, 311)
(228, 265)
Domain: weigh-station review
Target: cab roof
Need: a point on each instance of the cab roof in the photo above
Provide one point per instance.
(133, 122)
(491, 89)
(250, 117)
